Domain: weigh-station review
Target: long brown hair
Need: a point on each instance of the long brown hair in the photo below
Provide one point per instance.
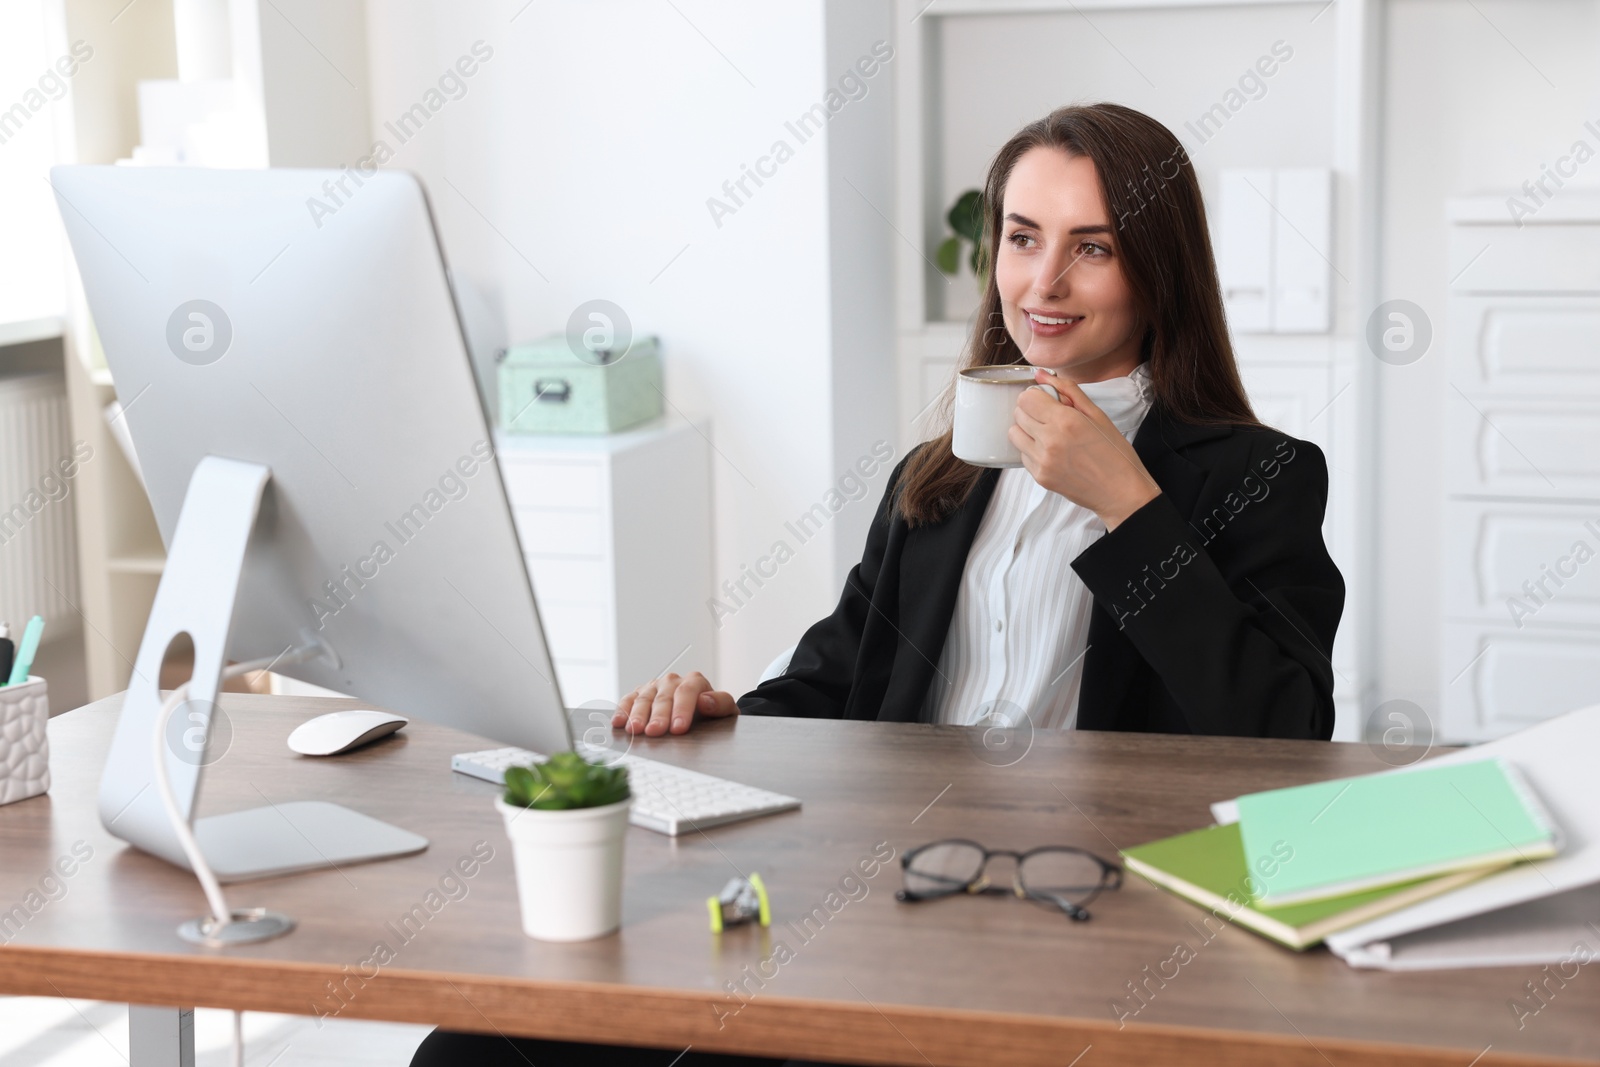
(1150, 188)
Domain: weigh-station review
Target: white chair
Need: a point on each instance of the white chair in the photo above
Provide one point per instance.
(776, 668)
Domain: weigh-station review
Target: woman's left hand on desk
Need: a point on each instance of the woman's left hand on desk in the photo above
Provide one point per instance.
(671, 704)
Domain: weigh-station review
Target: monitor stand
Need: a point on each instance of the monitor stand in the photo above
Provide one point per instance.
(199, 586)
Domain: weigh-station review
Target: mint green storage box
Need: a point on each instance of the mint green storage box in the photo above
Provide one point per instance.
(545, 388)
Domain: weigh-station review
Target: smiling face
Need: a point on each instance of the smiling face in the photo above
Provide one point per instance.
(1066, 301)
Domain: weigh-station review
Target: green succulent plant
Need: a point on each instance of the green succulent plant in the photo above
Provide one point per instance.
(966, 219)
(566, 781)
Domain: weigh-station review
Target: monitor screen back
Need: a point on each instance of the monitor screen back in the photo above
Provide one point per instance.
(241, 321)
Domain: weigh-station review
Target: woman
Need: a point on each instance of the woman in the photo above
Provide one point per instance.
(1195, 529)
(1157, 562)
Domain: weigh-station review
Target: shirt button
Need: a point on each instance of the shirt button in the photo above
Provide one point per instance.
(998, 626)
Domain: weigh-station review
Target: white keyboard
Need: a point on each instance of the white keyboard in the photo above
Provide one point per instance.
(667, 799)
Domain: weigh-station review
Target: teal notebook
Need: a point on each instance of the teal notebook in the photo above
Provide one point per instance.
(1354, 834)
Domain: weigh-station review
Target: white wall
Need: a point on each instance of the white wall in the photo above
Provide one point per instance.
(33, 128)
(1476, 100)
(861, 263)
(314, 79)
(578, 165)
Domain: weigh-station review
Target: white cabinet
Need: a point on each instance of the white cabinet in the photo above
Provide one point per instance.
(1302, 273)
(1503, 444)
(1273, 242)
(616, 530)
(1521, 552)
(1289, 397)
(1532, 344)
(1244, 248)
(1518, 563)
(1511, 678)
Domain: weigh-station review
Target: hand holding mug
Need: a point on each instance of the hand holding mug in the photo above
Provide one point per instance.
(1073, 448)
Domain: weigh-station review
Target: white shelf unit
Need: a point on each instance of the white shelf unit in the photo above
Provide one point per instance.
(1521, 615)
(1318, 386)
(616, 530)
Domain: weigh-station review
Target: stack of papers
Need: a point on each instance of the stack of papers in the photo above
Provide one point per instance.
(1483, 857)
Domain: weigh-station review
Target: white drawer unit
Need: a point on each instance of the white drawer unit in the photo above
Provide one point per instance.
(1521, 553)
(1547, 254)
(1498, 679)
(616, 530)
(1504, 444)
(1519, 563)
(560, 533)
(1534, 345)
(561, 483)
(1289, 397)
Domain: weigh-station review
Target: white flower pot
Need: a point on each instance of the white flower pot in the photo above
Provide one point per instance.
(569, 868)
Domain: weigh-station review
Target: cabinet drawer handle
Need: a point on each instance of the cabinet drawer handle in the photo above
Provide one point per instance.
(552, 390)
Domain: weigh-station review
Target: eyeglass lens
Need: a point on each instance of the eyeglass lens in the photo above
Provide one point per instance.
(1058, 873)
(944, 867)
(950, 866)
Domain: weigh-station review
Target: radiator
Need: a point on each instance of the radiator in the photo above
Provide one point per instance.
(38, 479)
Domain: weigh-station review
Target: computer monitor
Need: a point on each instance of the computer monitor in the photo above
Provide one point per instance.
(297, 386)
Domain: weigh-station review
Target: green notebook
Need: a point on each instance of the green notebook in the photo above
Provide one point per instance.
(1207, 867)
(1354, 834)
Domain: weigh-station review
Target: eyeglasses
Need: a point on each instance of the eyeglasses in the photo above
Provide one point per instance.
(1056, 875)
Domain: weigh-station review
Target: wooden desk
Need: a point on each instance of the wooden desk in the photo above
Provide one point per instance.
(978, 981)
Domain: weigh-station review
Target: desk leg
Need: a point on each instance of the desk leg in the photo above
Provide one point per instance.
(160, 1037)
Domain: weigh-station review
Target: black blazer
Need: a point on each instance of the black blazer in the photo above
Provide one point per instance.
(1216, 603)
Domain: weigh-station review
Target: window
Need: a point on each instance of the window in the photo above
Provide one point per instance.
(36, 69)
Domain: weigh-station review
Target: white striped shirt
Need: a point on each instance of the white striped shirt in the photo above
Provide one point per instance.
(1019, 631)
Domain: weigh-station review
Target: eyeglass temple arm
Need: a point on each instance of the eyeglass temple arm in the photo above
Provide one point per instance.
(911, 896)
(1078, 912)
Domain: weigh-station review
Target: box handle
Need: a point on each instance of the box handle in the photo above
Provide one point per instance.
(552, 390)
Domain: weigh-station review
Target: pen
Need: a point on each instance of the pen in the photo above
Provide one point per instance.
(8, 650)
(26, 651)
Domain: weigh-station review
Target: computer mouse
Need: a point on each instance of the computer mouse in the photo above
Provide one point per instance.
(340, 731)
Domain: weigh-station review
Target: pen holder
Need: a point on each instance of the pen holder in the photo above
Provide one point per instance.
(24, 744)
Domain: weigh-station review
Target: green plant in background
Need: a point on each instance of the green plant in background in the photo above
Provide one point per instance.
(966, 219)
(565, 781)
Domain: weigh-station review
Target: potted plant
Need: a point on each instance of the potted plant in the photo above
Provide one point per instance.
(965, 218)
(566, 819)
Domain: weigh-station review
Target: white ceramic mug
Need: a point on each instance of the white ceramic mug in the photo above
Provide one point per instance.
(986, 402)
